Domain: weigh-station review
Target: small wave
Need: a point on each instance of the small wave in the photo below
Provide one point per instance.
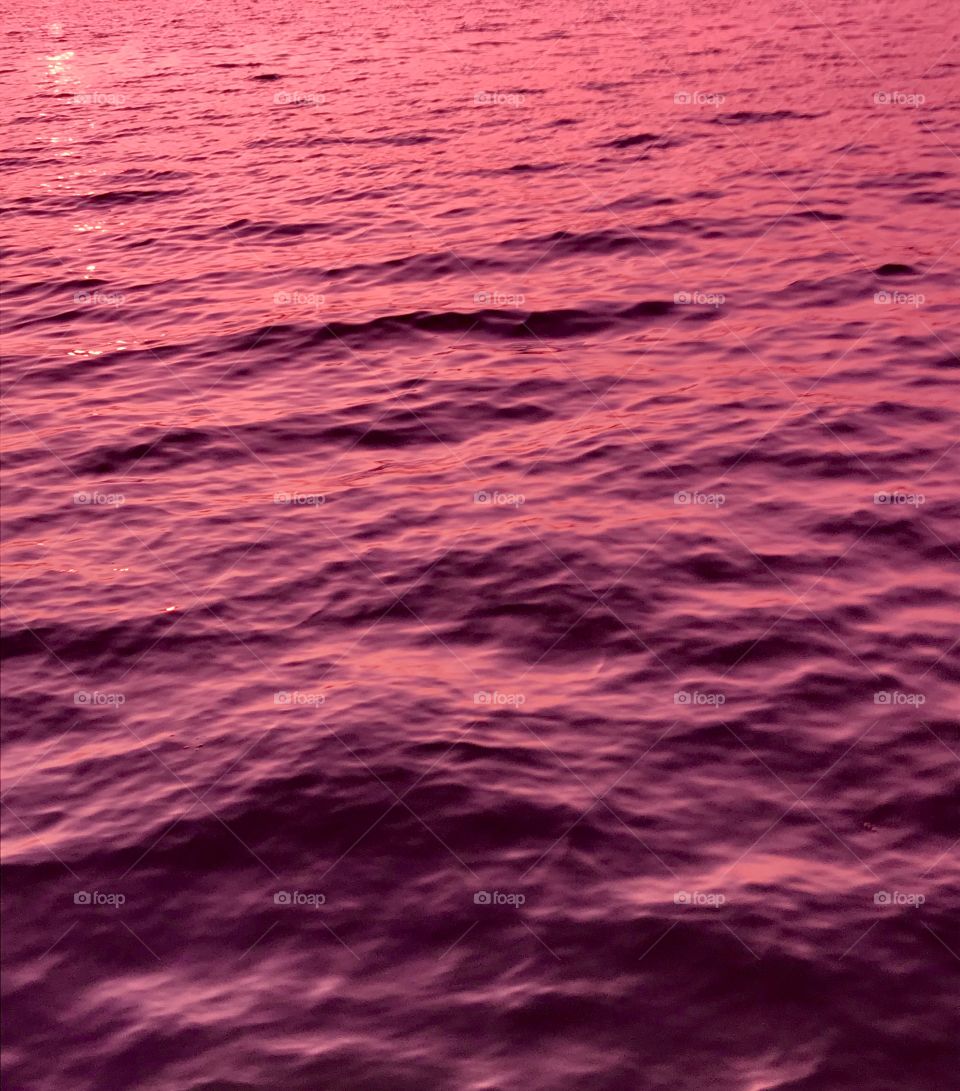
(637, 140)
(754, 117)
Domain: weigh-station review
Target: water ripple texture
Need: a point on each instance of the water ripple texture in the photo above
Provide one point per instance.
(480, 546)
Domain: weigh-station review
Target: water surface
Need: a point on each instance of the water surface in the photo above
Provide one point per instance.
(481, 546)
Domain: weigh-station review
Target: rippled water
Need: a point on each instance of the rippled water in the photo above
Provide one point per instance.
(480, 546)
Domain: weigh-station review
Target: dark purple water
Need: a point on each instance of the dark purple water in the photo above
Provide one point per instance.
(481, 540)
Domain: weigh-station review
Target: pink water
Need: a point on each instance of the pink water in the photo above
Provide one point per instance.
(481, 546)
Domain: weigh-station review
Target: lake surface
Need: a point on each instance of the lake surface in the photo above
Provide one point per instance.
(481, 546)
